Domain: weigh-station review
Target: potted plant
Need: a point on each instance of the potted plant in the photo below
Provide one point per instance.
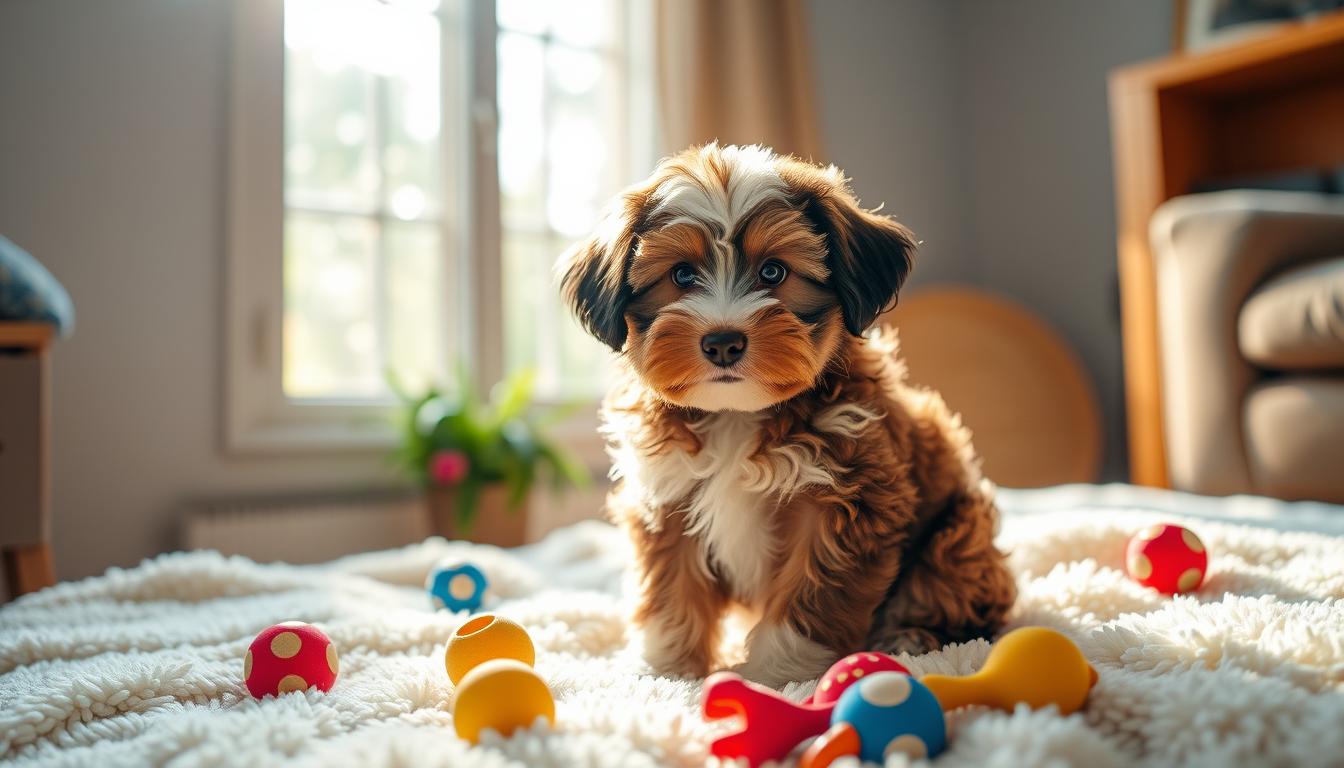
(478, 459)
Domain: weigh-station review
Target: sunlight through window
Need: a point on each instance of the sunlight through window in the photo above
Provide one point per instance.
(370, 267)
(365, 273)
(563, 80)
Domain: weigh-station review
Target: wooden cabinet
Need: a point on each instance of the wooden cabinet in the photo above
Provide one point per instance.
(1272, 104)
(25, 515)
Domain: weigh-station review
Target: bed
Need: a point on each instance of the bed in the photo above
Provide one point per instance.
(143, 665)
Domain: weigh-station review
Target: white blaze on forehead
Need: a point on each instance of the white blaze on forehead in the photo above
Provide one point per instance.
(704, 200)
(718, 208)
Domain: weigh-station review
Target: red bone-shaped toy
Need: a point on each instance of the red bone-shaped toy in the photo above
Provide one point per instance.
(771, 725)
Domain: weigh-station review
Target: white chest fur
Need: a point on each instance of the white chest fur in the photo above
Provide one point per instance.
(728, 491)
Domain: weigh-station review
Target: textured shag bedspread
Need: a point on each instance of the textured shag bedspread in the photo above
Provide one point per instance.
(144, 666)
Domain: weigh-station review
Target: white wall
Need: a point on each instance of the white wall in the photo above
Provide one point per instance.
(984, 125)
(1034, 121)
(887, 91)
(112, 173)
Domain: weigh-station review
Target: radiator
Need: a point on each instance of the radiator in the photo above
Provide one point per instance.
(305, 529)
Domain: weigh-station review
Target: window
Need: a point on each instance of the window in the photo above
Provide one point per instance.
(400, 195)
(366, 257)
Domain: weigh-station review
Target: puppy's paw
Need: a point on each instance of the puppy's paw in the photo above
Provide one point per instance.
(767, 674)
(777, 655)
(679, 667)
(912, 640)
(669, 657)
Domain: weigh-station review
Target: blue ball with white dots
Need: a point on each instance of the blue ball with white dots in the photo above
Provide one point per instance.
(892, 712)
(457, 587)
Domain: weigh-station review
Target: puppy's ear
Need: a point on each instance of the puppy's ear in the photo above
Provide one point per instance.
(869, 255)
(593, 271)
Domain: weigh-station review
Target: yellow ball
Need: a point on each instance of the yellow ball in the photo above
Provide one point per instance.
(502, 694)
(485, 637)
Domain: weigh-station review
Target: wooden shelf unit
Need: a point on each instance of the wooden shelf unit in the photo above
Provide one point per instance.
(1272, 104)
(25, 470)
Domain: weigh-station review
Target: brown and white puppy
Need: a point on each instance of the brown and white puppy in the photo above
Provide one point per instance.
(766, 453)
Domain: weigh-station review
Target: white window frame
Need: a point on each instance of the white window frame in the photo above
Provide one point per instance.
(258, 417)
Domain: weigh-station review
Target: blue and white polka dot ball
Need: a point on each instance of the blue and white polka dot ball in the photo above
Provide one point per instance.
(893, 712)
(457, 587)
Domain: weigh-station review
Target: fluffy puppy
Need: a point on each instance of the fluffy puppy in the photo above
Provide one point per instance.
(766, 453)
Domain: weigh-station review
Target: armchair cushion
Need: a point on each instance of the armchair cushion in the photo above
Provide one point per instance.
(1295, 321)
(1293, 426)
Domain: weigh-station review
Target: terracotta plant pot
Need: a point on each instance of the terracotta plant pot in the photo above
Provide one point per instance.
(494, 523)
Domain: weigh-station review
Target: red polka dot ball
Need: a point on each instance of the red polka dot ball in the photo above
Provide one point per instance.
(1168, 558)
(850, 670)
(291, 656)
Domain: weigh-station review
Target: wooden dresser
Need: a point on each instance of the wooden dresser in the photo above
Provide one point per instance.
(25, 473)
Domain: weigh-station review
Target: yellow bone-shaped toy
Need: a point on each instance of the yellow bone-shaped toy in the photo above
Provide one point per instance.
(1032, 665)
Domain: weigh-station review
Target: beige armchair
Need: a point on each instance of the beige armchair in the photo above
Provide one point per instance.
(1250, 293)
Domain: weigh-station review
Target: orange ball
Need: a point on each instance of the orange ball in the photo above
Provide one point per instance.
(485, 637)
(291, 656)
(1168, 558)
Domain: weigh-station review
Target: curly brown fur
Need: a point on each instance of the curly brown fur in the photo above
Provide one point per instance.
(808, 480)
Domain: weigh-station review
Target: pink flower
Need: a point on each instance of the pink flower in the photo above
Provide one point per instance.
(448, 467)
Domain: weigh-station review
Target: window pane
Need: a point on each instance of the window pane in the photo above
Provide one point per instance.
(585, 23)
(411, 137)
(423, 6)
(527, 323)
(416, 305)
(580, 23)
(365, 267)
(330, 158)
(540, 333)
(531, 16)
(582, 147)
(582, 364)
(562, 149)
(330, 335)
(522, 130)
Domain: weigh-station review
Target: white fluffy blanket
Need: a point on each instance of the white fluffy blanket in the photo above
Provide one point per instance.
(143, 666)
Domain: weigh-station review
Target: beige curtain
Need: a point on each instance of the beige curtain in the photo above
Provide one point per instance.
(739, 71)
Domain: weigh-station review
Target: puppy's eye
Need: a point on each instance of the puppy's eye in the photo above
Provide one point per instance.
(773, 273)
(683, 275)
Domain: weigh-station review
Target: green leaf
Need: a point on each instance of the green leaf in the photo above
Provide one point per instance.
(415, 448)
(512, 396)
(567, 469)
(519, 478)
(452, 430)
(468, 498)
(395, 384)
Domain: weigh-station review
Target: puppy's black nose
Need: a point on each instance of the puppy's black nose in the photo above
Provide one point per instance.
(723, 348)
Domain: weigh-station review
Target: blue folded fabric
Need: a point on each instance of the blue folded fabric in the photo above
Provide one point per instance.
(28, 292)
